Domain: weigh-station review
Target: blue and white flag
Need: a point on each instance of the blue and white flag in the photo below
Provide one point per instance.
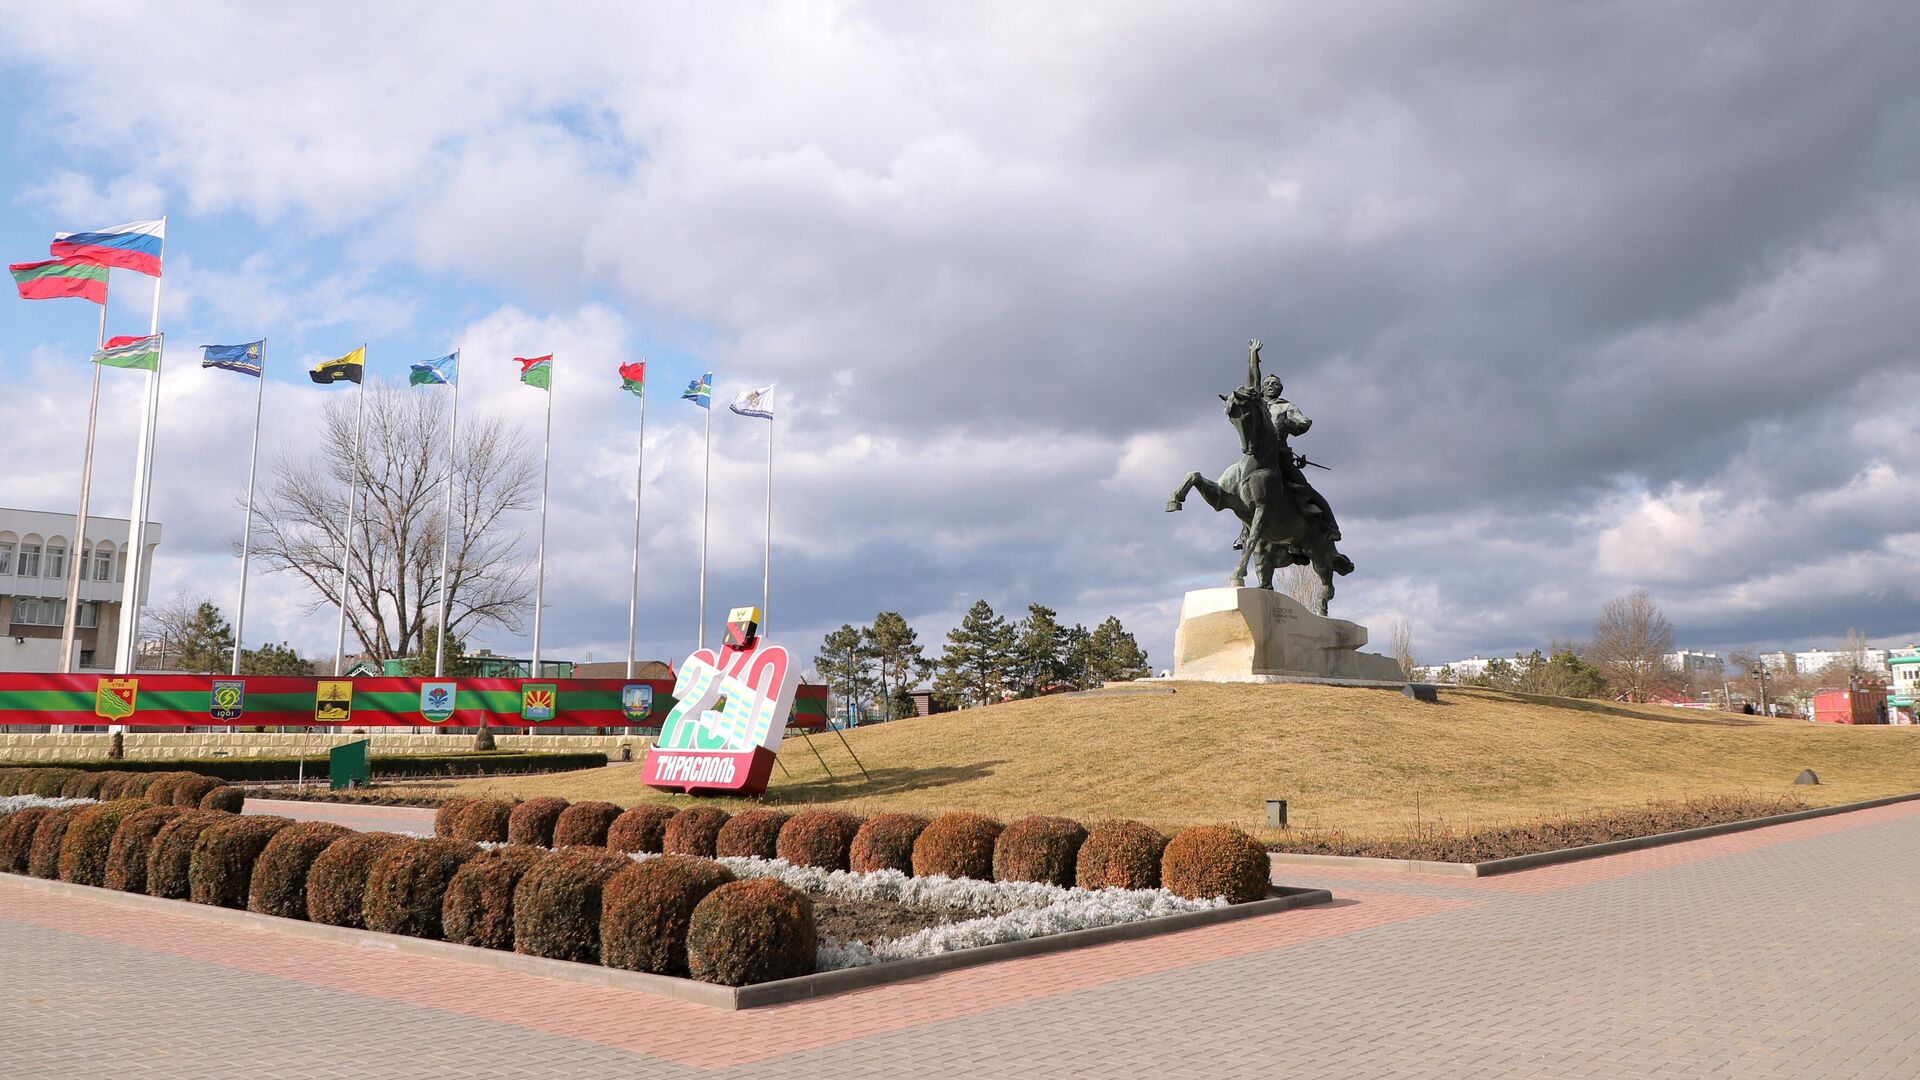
(700, 391)
(440, 371)
(754, 403)
(244, 359)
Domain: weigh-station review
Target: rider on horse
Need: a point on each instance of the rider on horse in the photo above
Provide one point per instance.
(1288, 420)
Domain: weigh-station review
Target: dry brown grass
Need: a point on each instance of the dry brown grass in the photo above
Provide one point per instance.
(1367, 762)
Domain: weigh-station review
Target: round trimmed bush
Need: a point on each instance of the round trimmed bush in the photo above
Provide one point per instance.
(46, 783)
(1120, 855)
(1039, 848)
(193, 787)
(84, 784)
(407, 885)
(159, 787)
(113, 785)
(16, 838)
(43, 859)
(532, 821)
(692, 831)
(481, 819)
(584, 824)
(645, 910)
(221, 869)
(478, 907)
(751, 932)
(337, 880)
(10, 781)
(885, 842)
(448, 814)
(643, 828)
(226, 798)
(750, 832)
(83, 851)
(819, 838)
(170, 860)
(556, 906)
(279, 884)
(132, 846)
(1213, 860)
(959, 844)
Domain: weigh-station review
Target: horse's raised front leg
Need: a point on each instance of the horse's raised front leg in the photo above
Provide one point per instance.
(1180, 493)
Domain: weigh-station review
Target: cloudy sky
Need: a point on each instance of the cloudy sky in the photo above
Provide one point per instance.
(1582, 298)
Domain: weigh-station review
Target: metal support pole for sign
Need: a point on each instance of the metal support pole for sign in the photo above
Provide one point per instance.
(850, 753)
(70, 628)
(766, 572)
(808, 739)
(446, 533)
(633, 591)
(246, 529)
(346, 538)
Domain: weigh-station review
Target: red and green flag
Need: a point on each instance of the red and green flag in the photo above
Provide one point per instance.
(131, 352)
(58, 278)
(536, 371)
(633, 378)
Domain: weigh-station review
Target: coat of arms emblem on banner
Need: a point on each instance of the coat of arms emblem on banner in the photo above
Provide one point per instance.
(115, 699)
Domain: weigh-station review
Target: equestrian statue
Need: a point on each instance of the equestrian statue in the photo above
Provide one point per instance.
(1284, 521)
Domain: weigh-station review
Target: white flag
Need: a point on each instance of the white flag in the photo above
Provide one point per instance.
(754, 403)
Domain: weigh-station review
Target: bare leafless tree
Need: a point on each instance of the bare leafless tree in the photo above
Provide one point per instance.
(1631, 640)
(1401, 633)
(393, 577)
(163, 626)
(1301, 583)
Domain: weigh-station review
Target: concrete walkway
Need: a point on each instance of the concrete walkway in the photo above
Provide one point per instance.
(1782, 952)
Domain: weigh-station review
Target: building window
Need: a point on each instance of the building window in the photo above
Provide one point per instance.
(56, 559)
(120, 565)
(29, 560)
(86, 657)
(89, 615)
(6, 556)
(102, 565)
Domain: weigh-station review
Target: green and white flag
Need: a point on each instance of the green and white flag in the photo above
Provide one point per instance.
(131, 352)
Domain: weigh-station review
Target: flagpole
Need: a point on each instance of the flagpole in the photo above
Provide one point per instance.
(766, 573)
(706, 493)
(446, 536)
(540, 570)
(346, 538)
(639, 485)
(142, 482)
(246, 530)
(71, 627)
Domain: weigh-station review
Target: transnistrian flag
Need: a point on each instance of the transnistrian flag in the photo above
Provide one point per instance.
(133, 246)
(244, 359)
(347, 368)
(131, 352)
(536, 371)
(700, 391)
(633, 378)
(757, 403)
(440, 371)
(56, 278)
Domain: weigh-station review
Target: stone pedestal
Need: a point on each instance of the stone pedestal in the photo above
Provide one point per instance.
(1252, 634)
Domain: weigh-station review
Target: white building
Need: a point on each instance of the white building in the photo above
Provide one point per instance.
(1689, 664)
(35, 546)
(1815, 661)
(1471, 668)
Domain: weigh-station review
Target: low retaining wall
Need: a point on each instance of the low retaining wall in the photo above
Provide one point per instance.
(169, 746)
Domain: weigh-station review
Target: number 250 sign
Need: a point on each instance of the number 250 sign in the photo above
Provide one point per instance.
(726, 726)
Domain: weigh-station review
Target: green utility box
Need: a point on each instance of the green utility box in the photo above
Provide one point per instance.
(347, 766)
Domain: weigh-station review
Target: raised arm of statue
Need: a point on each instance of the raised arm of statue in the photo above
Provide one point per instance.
(1253, 363)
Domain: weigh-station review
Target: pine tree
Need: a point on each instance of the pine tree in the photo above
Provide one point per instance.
(1040, 650)
(843, 662)
(1116, 656)
(979, 652)
(1076, 651)
(273, 660)
(205, 644)
(897, 658)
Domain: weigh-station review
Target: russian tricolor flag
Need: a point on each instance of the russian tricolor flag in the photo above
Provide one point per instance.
(134, 246)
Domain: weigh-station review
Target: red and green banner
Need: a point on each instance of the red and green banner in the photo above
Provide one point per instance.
(58, 278)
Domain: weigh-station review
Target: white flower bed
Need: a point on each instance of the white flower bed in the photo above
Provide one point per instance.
(13, 804)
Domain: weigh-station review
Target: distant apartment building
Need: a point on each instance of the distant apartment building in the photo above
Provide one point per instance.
(35, 549)
(1815, 661)
(1471, 668)
(1905, 692)
(1690, 665)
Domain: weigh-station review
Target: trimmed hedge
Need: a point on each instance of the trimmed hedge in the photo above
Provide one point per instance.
(556, 906)
(584, 824)
(132, 846)
(643, 828)
(457, 763)
(190, 789)
(750, 832)
(446, 817)
(885, 842)
(958, 844)
(337, 880)
(45, 782)
(170, 858)
(481, 819)
(407, 884)
(819, 838)
(159, 789)
(751, 932)
(43, 859)
(1039, 848)
(114, 785)
(83, 851)
(478, 907)
(1213, 860)
(279, 885)
(16, 838)
(82, 785)
(10, 780)
(646, 909)
(221, 869)
(532, 821)
(692, 831)
(1120, 855)
(226, 797)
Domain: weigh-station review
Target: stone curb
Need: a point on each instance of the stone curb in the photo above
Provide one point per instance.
(1575, 854)
(688, 990)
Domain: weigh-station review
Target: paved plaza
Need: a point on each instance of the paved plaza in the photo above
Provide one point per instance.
(1790, 951)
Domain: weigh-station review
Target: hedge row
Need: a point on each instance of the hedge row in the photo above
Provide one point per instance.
(461, 763)
(162, 787)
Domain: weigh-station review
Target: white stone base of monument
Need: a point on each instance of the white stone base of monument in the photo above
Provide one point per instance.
(1258, 635)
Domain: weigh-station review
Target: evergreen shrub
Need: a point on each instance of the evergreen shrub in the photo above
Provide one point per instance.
(556, 906)
(16, 838)
(958, 844)
(1120, 855)
(1213, 860)
(584, 824)
(646, 909)
(885, 842)
(1039, 848)
(751, 832)
(408, 883)
(751, 932)
(220, 871)
(478, 908)
(532, 821)
(693, 831)
(89, 839)
(170, 855)
(43, 859)
(643, 828)
(337, 880)
(482, 819)
(132, 845)
(279, 885)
